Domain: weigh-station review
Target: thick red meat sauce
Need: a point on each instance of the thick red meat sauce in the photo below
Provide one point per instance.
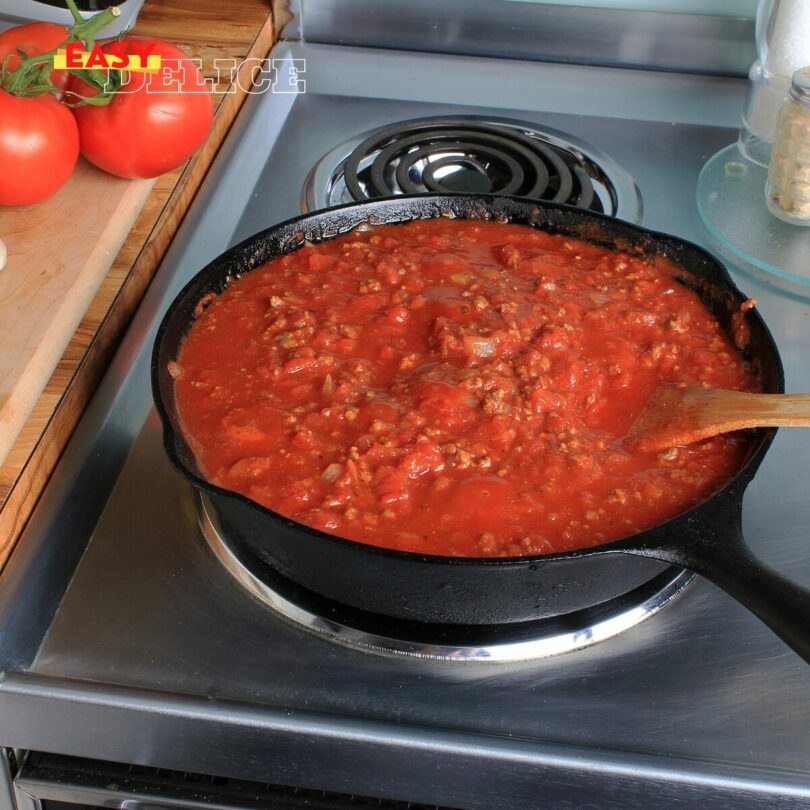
(454, 387)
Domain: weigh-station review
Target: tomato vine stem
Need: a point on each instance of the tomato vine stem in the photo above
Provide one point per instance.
(31, 77)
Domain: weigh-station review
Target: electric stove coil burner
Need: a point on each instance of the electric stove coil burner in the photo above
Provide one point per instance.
(465, 154)
(521, 641)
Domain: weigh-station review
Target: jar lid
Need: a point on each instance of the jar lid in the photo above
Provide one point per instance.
(800, 86)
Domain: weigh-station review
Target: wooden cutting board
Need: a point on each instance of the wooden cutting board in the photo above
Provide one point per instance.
(59, 251)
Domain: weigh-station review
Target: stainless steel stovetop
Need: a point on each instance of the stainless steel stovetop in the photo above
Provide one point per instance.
(123, 638)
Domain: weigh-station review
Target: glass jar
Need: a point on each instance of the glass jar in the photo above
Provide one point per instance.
(783, 46)
(787, 191)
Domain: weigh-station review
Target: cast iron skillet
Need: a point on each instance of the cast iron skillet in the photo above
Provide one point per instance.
(485, 591)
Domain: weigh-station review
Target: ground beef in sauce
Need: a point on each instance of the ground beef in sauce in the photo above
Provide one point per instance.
(454, 387)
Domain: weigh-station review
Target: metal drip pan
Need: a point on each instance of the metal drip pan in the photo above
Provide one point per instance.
(469, 154)
(521, 641)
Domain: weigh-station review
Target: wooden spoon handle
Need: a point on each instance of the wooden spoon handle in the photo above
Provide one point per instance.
(758, 410)
(675, 416)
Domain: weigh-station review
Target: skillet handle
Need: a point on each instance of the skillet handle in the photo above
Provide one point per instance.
(723, 557)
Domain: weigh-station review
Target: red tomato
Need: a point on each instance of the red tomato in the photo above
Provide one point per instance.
(39, 146)
(34, 38)
(154, 123)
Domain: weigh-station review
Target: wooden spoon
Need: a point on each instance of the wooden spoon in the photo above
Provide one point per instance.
(674, 415)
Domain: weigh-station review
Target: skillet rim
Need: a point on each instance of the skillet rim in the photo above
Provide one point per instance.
(732, 491)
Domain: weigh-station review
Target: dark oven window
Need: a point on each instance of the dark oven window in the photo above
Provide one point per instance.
(69, 783)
